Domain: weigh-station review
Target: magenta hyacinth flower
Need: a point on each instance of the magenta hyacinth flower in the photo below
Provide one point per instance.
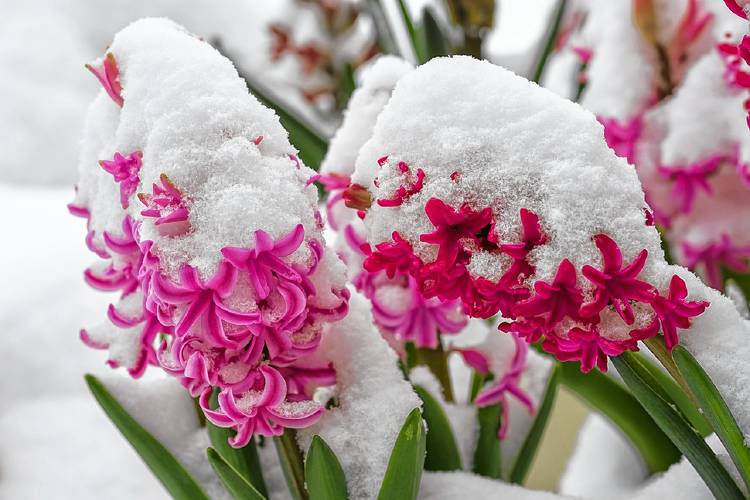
(125, 170)
(738, 7)
(586, 346)
(264, 261)
(109, 76)
(531, 236)
(508, 386)
(715, 254)
(622, 137)
(452, 226)
(203, 305)
(414, 318)
(671, 312)
(167, 204)
(265, 412)
(554, 301)
(121, 273)
(412, 185)
(690, 179)
(392, 257)
(616, 284)
(485, 298)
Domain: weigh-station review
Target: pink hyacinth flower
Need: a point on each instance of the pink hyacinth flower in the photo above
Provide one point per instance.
(616, 284)
(264, 260)
(586, 346)
(452, 226)
(690, 179)
(715, 254)
(485, 298)
(622, 137)
(125, 170)
(203, 305)
(265, 412)
(508, 386)
(411, 186)
(553, 301)
(122, 273)
(109, 76)
(672, 312)
(531, 236)
(167, 204)
(419, 320)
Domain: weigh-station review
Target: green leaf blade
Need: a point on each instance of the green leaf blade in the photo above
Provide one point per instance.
(434, 43)
(404, 472)
(442, 448)
(324, 476)
(611, 399)
(237, 485)
(715, 410)
(414, 35)
(691, 444)
(528, 451)
(292, 464)
(172, 475)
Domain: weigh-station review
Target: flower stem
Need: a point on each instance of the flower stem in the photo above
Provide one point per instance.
(549, 43)
(659, 350)
(292, 463)
(437, 362)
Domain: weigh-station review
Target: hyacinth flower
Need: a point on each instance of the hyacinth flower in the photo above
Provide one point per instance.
(235, 297)
(109, 76)
(125, 171)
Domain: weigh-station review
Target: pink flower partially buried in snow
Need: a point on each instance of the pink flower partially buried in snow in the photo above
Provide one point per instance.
(109, 76)
(125, 170)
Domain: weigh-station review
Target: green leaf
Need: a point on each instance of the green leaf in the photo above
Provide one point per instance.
(382, 27)
(530, 446)
(434, 40)
(487, 458)
(312, 145)
(346, 85)
(404, 472)
(244, 460)
(674, 393)
(234, 482)
(716, 410)
(610, 398)
(290, 458)
(417, 40)
(323, 473)
(674, 425)
(442, 450)
(177, 481)
(549, 43)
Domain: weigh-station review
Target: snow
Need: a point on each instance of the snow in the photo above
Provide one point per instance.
(367, 101)
(374, 400)
(452, 485)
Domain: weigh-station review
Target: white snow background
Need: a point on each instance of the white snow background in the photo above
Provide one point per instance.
(54, 441)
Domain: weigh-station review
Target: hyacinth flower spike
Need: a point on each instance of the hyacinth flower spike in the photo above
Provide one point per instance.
(265, 259)
(671, 312)
(616, 284)
(109, 76)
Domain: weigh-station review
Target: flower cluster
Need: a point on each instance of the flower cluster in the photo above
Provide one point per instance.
(678, 62)
(342, 40)
(241, 321)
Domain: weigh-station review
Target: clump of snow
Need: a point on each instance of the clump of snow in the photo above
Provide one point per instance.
(451, 485)
(376, 83)
(619, 467)
(373, 400)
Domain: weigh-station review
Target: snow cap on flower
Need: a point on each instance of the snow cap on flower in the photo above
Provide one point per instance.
(511, 204)
(212, 236)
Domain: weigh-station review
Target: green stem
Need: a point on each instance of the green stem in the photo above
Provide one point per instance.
(549, 43)
(437, 362)
(659, 350)
(292, 463)
(199, 413)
